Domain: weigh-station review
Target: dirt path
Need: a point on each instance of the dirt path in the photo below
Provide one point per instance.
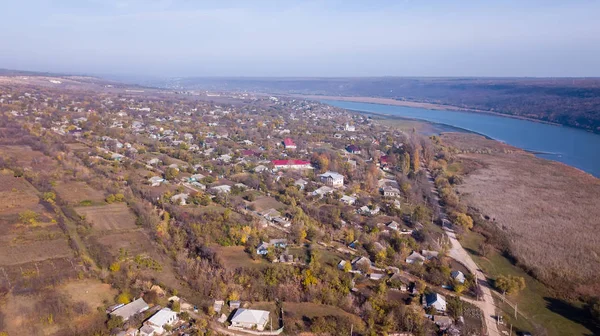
(457, 252)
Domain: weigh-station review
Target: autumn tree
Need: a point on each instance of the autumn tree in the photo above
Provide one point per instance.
(510, 284)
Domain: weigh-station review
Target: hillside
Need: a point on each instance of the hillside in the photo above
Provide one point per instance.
(567, 101)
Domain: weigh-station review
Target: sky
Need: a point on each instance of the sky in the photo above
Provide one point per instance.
(323, 38)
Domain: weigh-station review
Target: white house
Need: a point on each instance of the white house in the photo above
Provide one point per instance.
(322, 191)
(348, 199)
(436, 301)
(155, 181)
(415, 258)
(155, 325)
(332, 179)
(250, 319)
(221, 189)
(180, 199)
(349, 128)
(458, 276)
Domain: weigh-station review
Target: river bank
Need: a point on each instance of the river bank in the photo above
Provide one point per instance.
(415, 104)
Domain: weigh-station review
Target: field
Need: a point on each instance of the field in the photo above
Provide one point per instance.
(542, 206)
(234, 257)
(549, 213)
(108, 217)
(75, 192)
(16, 194)
(263, 203)
(92, 292)
(25, 157)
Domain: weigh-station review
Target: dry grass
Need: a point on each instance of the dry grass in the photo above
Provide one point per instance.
(75, 192)
(234, 257)
(15, 254)
(91, 291)
(109, 217)
(26, 157)
(16, 194)
(549, 210)
(263, 203)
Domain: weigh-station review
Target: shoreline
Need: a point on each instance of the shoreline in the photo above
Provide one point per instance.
(427, 106)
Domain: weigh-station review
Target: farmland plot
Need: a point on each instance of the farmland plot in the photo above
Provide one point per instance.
(108, 217)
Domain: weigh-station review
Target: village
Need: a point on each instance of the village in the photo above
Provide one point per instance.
(283, 205)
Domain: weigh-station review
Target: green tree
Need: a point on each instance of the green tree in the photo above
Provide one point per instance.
(171, 173)
(114, 322)
(510, 284)
(176, 306)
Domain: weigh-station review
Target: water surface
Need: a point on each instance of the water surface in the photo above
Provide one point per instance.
(577, 148)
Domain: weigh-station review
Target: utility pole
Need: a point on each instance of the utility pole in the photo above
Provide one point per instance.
(516, 305)
(510, 330)
(351, 329)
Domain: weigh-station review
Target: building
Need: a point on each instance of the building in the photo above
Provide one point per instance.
(348, 200)
(221, 189)
(180, 199)
(322, 191)
(250, 319)
(388, 191)
(349, 128)
(415, 258)
(353, 149)
(155, 325)
(155, 181)
(332, 179)
(291, 164)
(458, 276)
(434, 300)
(288, 143)
(130, 309)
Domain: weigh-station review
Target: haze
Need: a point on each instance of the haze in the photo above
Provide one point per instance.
(302, 38)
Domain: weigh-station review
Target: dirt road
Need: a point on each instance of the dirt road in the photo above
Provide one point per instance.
(458, 253)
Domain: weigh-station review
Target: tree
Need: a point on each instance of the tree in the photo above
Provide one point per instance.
(49, 197)
(416, 159)
(463, 220)
(176, 306)
(405, 167)
(114, 322)
(171, 173)
(510, 284)
(347, 267)
(124, 298)
(421, 213)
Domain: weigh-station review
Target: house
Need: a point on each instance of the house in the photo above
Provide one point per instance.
(234, 304)
(218, 305)
(260, 169)
(348, 200)
(196, 178)
(383, 161)
(434, 300)
(221, 189)
(365, 210)
(290, 164)
(300, 183)
(288, 143)
(271, 214)
(155, 325)
(429, 254)
(250, 319)
(332, 179)
(443, 322)
(155, 181)
(353, 149)
(349, 128)
(376, 276)
(180, 199)
(153, 161)
(388, 191)
(361, 263)
(458, 276)
(117, 157)
(130, 309)
(342, 264)
(322, 191)
(415, 258)
(263, 248)
(225, 157)
(393, 225)
(279, 243)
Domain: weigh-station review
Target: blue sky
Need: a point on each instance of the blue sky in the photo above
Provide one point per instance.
(302, 38)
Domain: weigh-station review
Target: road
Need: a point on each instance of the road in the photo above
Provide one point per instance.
(457, 252)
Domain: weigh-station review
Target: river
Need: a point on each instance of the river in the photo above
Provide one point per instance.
(568, 145)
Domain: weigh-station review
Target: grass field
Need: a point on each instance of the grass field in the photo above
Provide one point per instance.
(75, 192)
(34, 251)
(115, 216)
(234, 257)
(25, 157)
(93, 292)
(300, 310)
(532, 301)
